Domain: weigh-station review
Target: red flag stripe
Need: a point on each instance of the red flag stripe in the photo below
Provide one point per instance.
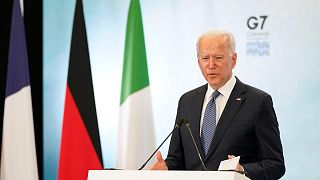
(77, 153)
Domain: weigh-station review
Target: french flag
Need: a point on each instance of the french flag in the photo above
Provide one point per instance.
(18, 153)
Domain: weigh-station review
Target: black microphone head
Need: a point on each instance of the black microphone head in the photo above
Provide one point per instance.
(180, 122)
(186, 122)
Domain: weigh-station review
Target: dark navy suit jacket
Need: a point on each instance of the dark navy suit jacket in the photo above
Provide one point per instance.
(247, 127)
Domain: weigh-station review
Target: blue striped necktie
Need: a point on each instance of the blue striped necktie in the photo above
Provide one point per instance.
(209, 123)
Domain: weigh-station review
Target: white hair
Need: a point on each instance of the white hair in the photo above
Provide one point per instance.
(219, 33)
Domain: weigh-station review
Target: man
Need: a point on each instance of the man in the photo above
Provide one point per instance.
(227, 117)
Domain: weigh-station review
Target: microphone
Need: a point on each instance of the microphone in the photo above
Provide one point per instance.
(176, 126)
(186, 122)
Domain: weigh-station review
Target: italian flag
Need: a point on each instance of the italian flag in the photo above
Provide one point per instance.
(136, 131)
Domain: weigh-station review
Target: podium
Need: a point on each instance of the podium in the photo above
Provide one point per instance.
(163, 175)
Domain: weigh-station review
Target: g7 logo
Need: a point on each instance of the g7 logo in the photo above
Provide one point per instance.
(253, 22)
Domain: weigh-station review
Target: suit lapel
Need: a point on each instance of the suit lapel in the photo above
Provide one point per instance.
(233, 104)
(196, 116)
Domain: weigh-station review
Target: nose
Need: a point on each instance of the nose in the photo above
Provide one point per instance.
(212, 63)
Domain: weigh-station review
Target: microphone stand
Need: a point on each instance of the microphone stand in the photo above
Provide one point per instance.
(177, 125)
(195, 145)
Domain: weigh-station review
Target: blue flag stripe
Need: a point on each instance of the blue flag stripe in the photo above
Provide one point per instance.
(18, 73)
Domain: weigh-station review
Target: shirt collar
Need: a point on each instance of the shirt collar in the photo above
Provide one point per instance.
(226, 89)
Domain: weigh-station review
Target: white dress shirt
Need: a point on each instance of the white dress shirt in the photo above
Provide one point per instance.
(221, 100)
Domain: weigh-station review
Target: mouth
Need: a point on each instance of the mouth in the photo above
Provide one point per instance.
(212, 75)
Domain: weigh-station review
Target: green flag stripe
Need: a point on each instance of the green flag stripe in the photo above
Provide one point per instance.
(135, 68)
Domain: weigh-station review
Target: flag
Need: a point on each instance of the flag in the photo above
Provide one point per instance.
(18, 156)
(136, 132)
(80, 148)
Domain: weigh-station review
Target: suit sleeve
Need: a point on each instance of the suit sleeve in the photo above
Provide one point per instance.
(175, 158)
(270, 161)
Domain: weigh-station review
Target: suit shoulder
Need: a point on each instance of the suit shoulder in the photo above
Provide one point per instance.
(255, 92)
(194, 92)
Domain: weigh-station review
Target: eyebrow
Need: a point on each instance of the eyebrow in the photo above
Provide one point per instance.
(216, 54)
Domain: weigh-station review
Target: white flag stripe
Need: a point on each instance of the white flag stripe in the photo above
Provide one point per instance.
(136, 131)
(18, 156)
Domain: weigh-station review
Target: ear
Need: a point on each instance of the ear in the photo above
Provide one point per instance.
(198, 60)
(234, 59)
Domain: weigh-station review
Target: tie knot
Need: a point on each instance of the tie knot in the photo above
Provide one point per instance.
(215, 94)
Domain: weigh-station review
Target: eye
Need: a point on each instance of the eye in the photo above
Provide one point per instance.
(205, 58)
(219, 57)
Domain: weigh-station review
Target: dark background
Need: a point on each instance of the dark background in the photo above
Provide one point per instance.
(33, 28)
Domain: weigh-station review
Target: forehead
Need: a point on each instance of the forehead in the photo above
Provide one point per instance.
(213, 44)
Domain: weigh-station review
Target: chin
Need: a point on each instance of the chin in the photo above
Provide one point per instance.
(213, 85)
(212, 81)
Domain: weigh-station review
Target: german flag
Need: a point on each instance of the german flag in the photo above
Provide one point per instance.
(80, 142)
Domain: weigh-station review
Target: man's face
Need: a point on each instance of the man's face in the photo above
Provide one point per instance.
(215, 60)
